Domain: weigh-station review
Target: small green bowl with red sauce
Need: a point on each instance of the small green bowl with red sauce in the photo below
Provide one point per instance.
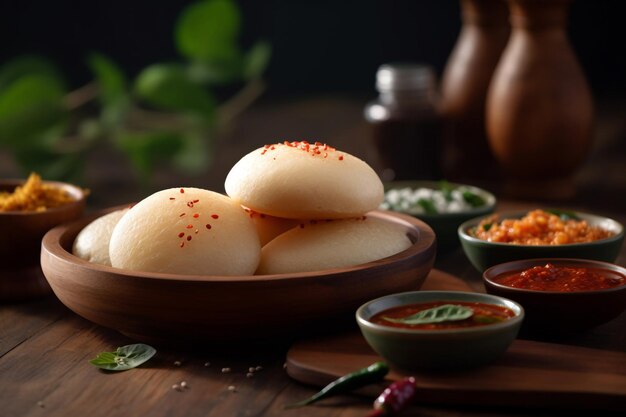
(561, 294)
(448, 344)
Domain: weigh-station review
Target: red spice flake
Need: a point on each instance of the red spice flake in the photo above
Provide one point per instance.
(190, 226)
(196, 201)
(182, 191)
(263, 151)
(318, 143)
(196, 215)
(208, 226)
(325, 154)
(172, 198)
(190, 204)
(273, 147)
(188, 238)
(341, 157)
(182, 244)
(215, 216)
(196, 232)
(182, 215)
(181, 234)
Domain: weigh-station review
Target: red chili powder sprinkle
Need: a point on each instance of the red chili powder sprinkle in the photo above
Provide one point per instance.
(341, 157)
(208, 226)
(190, 204)
(196, 232)
(188, 238)
(196, 201)
(215, 216)
(190, 226)
(195, 216)
(172, 198)
(181, 234)
(181, 214)
(182, 191)
(182, 244)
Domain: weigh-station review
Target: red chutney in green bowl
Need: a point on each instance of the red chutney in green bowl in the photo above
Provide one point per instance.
(442, 315)
(550, 277)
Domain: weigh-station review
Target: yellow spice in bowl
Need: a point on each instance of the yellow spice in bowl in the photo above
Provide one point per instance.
(34, 195)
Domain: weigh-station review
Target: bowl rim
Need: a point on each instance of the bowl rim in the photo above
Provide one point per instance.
(51, 245)
(464, 236)
(78, 195)
(490, 204)
(513, 321)
(487, 279)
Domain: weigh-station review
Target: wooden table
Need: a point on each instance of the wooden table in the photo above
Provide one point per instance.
(45, 348)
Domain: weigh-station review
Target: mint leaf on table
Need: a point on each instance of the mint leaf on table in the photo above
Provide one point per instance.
(124, 358)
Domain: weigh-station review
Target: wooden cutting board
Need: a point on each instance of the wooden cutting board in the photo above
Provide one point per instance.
(529, 374)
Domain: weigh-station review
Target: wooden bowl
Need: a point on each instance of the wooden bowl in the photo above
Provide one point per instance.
(20, 242)
(170, 307)
(555, 310)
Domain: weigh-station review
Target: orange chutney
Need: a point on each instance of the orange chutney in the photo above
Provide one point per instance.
(538, 227)
(483, 314)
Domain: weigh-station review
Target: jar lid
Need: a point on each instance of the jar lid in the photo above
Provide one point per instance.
(404, 76)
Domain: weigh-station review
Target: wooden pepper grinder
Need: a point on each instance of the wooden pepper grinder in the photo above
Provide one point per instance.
(464, 87)
(539, 107)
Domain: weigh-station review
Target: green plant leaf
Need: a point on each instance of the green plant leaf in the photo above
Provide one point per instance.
(29, 107)
(145, 149)
(208, 30)
(473, 199)
(168, 86)
(446, 312)
(256, 60)
(194, 155)
(51, 164)
(27, 65)
(109, 76)
(216, 72)
(124, 358)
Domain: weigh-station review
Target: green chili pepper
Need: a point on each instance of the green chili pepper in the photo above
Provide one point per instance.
(373, 373)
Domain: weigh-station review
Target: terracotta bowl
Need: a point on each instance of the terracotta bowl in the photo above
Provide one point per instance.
(554, 310)
(169, 307)
(20, 242)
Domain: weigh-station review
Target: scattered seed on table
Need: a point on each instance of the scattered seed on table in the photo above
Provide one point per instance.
(249, 375)
(207, 364)
(251, 369)
(258, 368)
(177, 363)
(41, 404)
(225, 370)
(232, 388)
(176, 387)
(183, 384)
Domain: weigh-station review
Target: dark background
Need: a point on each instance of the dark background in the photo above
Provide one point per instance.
(328, 46)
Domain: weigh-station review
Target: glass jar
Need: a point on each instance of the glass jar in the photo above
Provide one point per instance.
(406, 124)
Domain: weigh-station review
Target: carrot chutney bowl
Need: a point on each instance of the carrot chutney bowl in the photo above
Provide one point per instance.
(27, 211)
(505, 237)
(173, 307)
(439, 329)
(566, 294)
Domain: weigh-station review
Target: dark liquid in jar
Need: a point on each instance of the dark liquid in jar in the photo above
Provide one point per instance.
(412, 148)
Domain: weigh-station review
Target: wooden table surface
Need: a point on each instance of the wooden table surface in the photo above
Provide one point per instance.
(45, 348)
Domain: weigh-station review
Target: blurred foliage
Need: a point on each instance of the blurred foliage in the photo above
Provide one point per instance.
(167, 113)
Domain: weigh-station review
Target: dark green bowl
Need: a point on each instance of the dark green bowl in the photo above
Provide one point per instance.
(483, 254)
(451, 349)
(445, 225)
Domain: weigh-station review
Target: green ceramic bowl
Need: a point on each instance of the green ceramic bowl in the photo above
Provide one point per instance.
(483, 254)
(410, 349)
(445, 225)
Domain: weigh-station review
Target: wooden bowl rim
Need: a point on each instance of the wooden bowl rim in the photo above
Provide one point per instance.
(78, 194)
(51, 245)
(512, 266)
